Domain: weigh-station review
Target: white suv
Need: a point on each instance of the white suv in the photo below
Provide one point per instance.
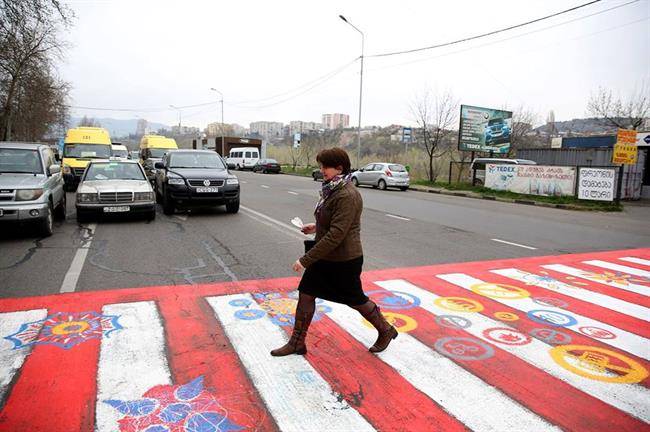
(382, 175)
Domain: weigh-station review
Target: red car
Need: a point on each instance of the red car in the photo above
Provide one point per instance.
(267, 166)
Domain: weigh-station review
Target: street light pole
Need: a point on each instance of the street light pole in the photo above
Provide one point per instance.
(360, 88)
(179, 117)
(223, 127)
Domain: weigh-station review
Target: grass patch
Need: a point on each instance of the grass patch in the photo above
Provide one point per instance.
(303, 171)
(588, 205)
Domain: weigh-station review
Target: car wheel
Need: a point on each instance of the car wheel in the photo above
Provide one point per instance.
(157, 193)
(47, 223)
(167, 204)
(265, 172)
(238, 167)
(59, 212)
(355, 181)
(232, 207)
(404, 188)
(313, 175)
(151, 215)
(382, 185)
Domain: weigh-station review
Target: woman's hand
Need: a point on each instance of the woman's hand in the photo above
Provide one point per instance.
(308, 228)
(298, 267)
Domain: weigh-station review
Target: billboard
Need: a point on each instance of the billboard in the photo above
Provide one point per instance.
(531, 179)
(484, 129)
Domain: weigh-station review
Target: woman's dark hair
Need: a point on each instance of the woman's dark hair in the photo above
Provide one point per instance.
(334, 158)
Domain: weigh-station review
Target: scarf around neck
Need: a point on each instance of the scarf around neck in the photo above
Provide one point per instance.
(329, 188)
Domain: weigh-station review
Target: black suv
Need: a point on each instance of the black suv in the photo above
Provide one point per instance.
(193, 178)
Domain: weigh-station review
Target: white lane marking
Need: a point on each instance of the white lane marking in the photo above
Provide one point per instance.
(571, 271)
(624, 340)
(269, 221)
(11, 360)
(465, 396)
(293, 193)
(243, 181)
(631, 398)
(288, 385)
(72, 276)
(131, 360)
(265, 186)
(514, 244)
(397, 217)
(612, 303)
(619, 268)
(181, 217)
(634, 260)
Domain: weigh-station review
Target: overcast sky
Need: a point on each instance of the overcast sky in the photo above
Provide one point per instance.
(148, 54)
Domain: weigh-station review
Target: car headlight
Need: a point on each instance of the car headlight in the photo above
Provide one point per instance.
(175, 181)
(28, 194)
(66, 169)
(232, 181)
(143, 196)
(87, 197)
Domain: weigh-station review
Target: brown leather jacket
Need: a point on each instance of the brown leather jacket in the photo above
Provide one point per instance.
(338, 232)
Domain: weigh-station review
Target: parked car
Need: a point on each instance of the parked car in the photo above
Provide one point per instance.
(243, 157)
(119, 151)
(188, 178)
(478, 164)
(134, 154)
(114, 186)
(267, 166)
(31, 185)
(382, 175)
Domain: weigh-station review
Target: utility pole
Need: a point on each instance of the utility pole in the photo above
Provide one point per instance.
(223, 127)
(360, 89)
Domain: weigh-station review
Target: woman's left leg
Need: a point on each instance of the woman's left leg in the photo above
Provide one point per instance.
(304, 313)
(371, 312)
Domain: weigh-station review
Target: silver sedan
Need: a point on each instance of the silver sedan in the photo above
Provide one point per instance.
(115, 186)
(382, 175)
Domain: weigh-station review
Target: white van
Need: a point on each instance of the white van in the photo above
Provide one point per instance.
(478, 165)
(243, 157)
(120, 151)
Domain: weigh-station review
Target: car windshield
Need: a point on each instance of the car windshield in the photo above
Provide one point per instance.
(157, 153)
(396, 168)
(114, 171)
(495, 121)
(271, 161)
(20, 161)
(87, 151)
(195, 160)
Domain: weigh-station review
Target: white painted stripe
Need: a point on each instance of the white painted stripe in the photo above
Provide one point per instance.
(269, 221)
(479, 406)
(624, 340)
(293, 193)
(397, 217)
(514, 244)
(561, 268)
(618, 267)
(181, 217)
(72, 275)
(11, 360)
(634, 260)
(297, 397)
(612, 303)
(265, 186)
(631, 398)
(131, 360)
(243, 181)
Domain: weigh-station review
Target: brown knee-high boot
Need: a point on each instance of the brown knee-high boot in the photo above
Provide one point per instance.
(386, 331)
(296, 344)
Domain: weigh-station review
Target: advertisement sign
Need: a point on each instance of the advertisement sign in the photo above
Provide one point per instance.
(643, 139)
(407, 135)
(625, 149)
(484, 129)
(531, 179)
(596, 184)
(296, 140)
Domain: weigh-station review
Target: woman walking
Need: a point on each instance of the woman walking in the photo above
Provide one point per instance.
(333, 265)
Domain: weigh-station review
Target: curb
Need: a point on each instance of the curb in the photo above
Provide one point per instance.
(507, 200)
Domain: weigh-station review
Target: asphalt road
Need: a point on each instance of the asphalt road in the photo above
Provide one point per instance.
(399, 229)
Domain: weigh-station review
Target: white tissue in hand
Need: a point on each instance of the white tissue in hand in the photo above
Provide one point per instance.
(297, 222)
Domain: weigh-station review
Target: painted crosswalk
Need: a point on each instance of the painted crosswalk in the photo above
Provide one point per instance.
(534, 344)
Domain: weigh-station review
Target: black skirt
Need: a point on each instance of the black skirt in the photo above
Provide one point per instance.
(337, 281)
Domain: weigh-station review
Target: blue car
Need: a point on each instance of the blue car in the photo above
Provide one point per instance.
(496, 131)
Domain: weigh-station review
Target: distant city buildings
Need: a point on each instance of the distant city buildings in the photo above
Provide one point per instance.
(142, 127)
(268, 130)
(336, 121)
(185, 130)
(215, 129)
(299, 126)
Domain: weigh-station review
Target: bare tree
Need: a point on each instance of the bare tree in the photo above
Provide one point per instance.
(523, 121)
(619, 112)
(89, 122)
(435, 116)
(295, 155)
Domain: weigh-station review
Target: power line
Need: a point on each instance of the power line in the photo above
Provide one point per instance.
(485, 34)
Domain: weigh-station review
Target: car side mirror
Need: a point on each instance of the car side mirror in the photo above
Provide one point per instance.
(54, 169)
(159, 165)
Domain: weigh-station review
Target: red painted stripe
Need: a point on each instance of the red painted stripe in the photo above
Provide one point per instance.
(369, 385)
(549, 397)
(197, 345)
(56, 388)
(524, 324)
(621, 294)
(602, 314)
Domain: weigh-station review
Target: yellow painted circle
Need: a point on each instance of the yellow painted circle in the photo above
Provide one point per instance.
(459, 304)
(280, 306)
(500, 291)
(69, 327)
(403, 323)
(506, 316)
(594, 363)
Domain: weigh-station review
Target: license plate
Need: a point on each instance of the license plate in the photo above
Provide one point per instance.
(119, 209)
(207, 189)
